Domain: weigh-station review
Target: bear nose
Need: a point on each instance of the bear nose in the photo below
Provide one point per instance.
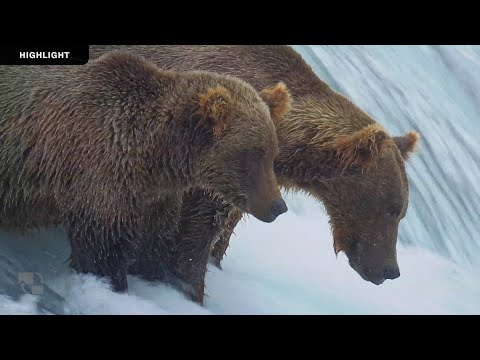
(278, 207)
(391, 272)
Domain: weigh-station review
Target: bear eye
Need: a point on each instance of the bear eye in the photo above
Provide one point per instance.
(258, 153)
(393, 213)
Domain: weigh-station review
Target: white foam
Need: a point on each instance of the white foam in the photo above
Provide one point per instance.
(287, 267)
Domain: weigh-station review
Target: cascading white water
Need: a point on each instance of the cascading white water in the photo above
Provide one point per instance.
(289, 266)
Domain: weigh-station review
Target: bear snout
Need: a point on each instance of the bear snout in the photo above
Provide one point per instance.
(279, 207)
(388, 272)
(391, 272)
(269, 212)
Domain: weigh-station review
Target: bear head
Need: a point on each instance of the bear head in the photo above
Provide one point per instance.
(338, 154)
(239, 166)
(368, 199)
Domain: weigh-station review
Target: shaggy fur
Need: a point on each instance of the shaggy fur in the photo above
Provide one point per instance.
(329, 148)
(278, 100)
(216, 104)
(107, 149)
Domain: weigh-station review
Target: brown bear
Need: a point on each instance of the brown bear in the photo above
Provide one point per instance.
(328, 147)
(107, 149)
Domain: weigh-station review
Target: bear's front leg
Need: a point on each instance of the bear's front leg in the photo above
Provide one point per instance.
(221, 245)
(201, 221)
(160, 223)
(100, 248)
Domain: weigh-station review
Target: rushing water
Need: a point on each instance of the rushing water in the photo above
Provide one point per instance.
(289, 266)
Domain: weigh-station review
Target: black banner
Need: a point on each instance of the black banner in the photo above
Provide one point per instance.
(43, 54)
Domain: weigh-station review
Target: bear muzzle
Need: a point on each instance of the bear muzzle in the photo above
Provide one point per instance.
(269, 214)
(279, 207)
(378, 276)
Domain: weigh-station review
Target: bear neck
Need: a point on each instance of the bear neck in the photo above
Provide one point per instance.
(313, 121)
(181, 143)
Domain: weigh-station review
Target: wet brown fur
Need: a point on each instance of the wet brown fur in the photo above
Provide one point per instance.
(216, 104)
(107, 149)
(329, 148)
(278, 100)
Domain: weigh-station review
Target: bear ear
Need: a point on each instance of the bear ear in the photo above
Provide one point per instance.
(407, 144)
(216, 109)
(360, 148)
(278, 100)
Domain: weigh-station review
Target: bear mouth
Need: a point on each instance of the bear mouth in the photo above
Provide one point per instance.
(366, 275)
(238, 201)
